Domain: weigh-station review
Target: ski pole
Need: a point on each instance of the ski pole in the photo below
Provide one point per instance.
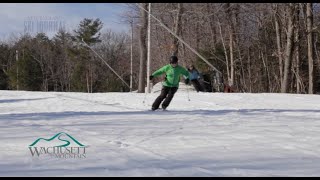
(151, 86)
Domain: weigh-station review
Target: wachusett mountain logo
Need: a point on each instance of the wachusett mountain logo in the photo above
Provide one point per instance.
(61, 145)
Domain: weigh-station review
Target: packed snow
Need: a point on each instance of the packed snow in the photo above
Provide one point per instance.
(213, 134)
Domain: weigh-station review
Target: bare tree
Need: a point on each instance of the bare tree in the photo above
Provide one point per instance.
(279, 43)
(177, 28)
(297, 51)
(289, 47)
(309, 14)
(229, 12)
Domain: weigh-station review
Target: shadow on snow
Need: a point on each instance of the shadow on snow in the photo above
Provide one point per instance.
(67, 114)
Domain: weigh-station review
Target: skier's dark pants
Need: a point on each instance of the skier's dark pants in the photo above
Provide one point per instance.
(196, 85)
(167, 93)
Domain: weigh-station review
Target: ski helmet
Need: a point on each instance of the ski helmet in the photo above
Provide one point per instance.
(173, 60)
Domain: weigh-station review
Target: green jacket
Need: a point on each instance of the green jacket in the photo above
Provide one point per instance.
(172, 75)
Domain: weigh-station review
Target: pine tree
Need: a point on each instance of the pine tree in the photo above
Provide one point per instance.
(88, 31)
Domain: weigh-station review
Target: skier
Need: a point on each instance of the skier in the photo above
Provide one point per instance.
(194, 77)
(171, 83)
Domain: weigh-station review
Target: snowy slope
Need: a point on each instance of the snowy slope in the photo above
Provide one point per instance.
(213, 134)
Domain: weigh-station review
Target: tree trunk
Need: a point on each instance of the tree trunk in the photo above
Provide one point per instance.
(225, 51)
(317, 64)
(87, 78)
(244, 84)
(177, 29)
(265, 64)
(231, 30)
(143, 49)
(289, 49)
(297, 52)
(278, 36)
(212, 27)
(249, 71)
(231, 83)
(310, 46)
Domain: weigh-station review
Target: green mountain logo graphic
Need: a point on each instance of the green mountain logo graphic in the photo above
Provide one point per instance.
(66, 142)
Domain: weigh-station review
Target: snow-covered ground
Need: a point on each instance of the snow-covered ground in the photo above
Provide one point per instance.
(213, 134)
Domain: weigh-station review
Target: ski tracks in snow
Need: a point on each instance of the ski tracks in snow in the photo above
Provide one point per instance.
(213, 134)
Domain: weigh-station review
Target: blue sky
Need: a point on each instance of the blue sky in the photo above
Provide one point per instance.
(13, 16)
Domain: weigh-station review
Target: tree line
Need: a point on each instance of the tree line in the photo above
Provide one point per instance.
(64, 62)
(260, 47)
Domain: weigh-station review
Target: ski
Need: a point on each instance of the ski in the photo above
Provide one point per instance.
(159, 109)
